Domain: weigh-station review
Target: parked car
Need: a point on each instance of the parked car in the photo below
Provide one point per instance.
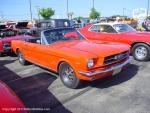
(6, 36)
(67, 52)
(54, 23)
(22, 27)
(9, 101)
(121, 33)
(50, 23)
(2, 26)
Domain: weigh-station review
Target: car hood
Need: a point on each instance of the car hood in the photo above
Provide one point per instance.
(9, 99)
(100, 49)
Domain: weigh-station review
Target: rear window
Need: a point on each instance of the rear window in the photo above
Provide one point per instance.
(95, 28)
(62, 23)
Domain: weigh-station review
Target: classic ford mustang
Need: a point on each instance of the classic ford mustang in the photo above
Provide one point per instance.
(121, 33)
(68, 53)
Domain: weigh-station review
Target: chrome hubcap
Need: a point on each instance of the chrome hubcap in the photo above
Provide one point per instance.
(21, 57)
(68, 75)
(140, 52)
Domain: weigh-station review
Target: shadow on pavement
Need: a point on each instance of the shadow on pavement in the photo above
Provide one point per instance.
(4, 62)
(128, 73)
(7, 75)
(33, 90)
(9, 54)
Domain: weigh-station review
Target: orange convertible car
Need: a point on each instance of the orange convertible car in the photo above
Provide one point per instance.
(67, 52)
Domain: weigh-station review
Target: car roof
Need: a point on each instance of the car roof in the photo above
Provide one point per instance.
(60, 28)
(114, 23)
(49, 20)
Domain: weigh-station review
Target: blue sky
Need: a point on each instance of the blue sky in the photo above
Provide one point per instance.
(19, 9)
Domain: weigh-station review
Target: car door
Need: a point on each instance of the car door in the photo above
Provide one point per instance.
(44, 55)
(38, 53)
(94, 33)
(29, 52)
(45, 52)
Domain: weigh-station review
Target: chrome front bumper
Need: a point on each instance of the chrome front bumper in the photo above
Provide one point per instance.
(105, 71)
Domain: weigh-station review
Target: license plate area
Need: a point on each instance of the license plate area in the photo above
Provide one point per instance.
(116, 71)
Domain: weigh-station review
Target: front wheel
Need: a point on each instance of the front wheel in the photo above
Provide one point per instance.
(141, 52)
(21, 58)
(68, 76)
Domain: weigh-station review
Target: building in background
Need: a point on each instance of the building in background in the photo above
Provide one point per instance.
(140, 13)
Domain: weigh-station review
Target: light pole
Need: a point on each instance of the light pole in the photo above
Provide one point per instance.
(93, 4)
(67, 9)
(38, 9)
(30, 10)
(124, 11)
(147, 8)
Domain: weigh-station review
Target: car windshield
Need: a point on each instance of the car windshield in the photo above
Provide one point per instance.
(61, 35)
(123, 28)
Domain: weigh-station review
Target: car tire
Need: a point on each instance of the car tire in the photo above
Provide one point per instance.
(1, 54)
(21, 59)
(68, 76)
(141, 52)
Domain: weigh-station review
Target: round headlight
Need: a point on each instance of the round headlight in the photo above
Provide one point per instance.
(90, 63)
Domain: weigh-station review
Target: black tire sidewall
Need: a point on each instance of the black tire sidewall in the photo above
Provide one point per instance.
(145, 46)
(1, 54)
(76, 81)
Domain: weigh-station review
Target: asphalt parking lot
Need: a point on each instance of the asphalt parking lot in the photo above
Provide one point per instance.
(127, 92)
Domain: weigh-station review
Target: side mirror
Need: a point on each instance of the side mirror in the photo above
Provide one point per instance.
(38, 42)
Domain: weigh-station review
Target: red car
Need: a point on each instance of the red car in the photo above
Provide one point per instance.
(121, 33)
(6, 36)
(9, 102)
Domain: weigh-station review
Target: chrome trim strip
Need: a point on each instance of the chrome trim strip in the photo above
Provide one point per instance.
(105, 71)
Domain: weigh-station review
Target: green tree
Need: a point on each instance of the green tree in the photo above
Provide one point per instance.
(80, 17)
(114, 16)
(94, 14)
(46, 13)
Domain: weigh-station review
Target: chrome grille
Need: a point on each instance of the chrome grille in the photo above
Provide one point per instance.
(117, 57)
